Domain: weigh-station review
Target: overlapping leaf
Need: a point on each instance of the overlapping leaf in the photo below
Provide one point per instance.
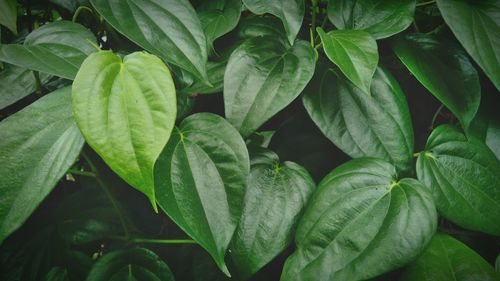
(8, 14)
(16, 83)
(218, 18)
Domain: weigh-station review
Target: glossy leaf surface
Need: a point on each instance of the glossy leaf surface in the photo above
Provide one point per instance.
(218, 18)
(16, 83)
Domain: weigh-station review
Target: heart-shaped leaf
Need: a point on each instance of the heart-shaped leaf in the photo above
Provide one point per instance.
(126, 111)
(169, 29)
(276, 194)
(16, 83)
(355, 52)
(262, 77)
(360, 223)
(218, 18)
(376, 125)
(57, 48)
(464, 177)
(39, 143)
(201, 178)
(445, 70)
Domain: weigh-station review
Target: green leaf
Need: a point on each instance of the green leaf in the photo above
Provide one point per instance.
(201, 178)
(463, 175)
(215, 70)
(39, 143)
(291, 13)
(262, 77)
(476, 24)
(16, 83)
(360, 223)
(57, 274)
(130, 264)
(255, 26)
(218, 18)
(126, 111)
(57, 48)
(448, 259)
(355, 52)
(376, 125)
(445, 70)
(169, 29)
(276, 195)
(8, 14)
(380, 18)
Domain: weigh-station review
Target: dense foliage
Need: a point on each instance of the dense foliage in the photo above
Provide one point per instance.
(263, 140)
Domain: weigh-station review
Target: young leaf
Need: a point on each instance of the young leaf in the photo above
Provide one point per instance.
(201, 178)
(276, 194)
(8, 14)
(354, 52)
(39, 143)
(126, 111)
(262, 77)
(476, 24)
(376, 125)
(218, 18)
(130, 264)
(445, 70)
(16, 83)
(291, 13)
(169, 29)
(448, 259)
(380, 18)
(463, 175)
(57, 48)
(360, 223)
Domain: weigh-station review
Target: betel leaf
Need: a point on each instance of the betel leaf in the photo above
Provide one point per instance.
(16, 83)
(463, 175)
(476, 24)
(276, 195)
(291, 13)
(355, 52)
(262, 77)
(126, 111)
(201, 178)
(130, 265)
(255, 26)
(57, 48)
(8, 14)
(361, 222)
(380, 18)
(376, 125)
(445, 70)
(219, 17)
(448, 259)
(169, 29)
(39, 143)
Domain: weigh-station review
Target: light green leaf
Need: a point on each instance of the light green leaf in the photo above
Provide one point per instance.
(476, 24)
(276, 195)
(8, 14)
(380, 18)
(445, 70)
(355, 52)
(201, 178)
(360, 223)
(168, 28)
(130, 265)
(57, 48)
(39, 143)
(218, 17)
(126, 111)
(16, 83)
(291, 13)
(262, 77)
(376, 125)
(463, 175)
(448, 259)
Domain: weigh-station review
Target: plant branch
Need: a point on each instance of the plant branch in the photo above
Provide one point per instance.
(438, 111)
(79, 10)
(82, 173)
(154, 241)
(426, 3)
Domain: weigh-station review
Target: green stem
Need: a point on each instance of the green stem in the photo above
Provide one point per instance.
(314, 9)
(322, 26)
(426, 3)
(438, 111)
(37, 82)
(82, 173)
(154, 241)
(79, 10)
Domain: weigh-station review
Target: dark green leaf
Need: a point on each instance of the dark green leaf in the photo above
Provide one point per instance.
(255, 26)
(57, 274)
(376, 125)
(291, 13)
(476, 24)
(276, 194)
(262, 77)
(201, 177)
(57, 48)
(380, 18)
(39, 143)
(360, 223)
(218, 18)
(463, 175)
(16, 83)
(8, 14)
(169, 29)
(215, 70)
(355, 52)
(130, 265)
(445, 70)
(448, 259)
